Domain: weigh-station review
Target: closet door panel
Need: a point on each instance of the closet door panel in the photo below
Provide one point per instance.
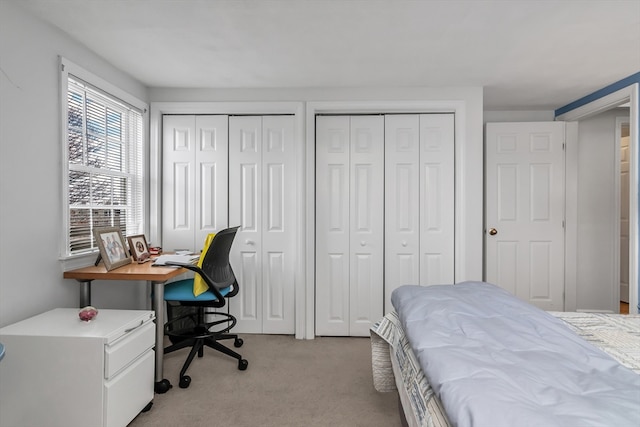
(178, 177)
(212, 175)
(332, 225)
(366, 223)
(245, 168)
(181, 177)
(194, 179)
(402, 203)
(245, 304)
(278, 233)
(437, 199)
(275, 278)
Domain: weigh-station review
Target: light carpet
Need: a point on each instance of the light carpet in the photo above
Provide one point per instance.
(322, 382)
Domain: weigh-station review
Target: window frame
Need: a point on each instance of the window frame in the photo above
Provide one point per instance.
(69, 69)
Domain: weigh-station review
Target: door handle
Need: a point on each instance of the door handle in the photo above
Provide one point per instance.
(249, 242)
(493, 231)
(126, 331)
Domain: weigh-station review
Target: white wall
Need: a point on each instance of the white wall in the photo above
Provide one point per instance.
(30, 169)
(519, 116)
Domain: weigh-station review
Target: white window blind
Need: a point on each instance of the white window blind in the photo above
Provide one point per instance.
(105, 170)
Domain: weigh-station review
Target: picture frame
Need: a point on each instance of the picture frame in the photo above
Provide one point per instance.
(112, 247)
(138, 247)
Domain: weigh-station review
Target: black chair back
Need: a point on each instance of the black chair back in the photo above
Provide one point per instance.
(216, 263)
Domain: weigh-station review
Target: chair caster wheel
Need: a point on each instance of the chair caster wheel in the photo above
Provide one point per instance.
(242, 364)
(185, 381)
(148, 407)
(162, 386)
(238, 342)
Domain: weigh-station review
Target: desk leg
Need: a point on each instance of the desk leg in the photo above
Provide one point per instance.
(85, 293)
(162, 385)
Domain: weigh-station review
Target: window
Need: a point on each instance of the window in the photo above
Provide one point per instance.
(103, 145)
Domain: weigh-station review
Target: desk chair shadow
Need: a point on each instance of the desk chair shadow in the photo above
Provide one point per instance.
(204, 327)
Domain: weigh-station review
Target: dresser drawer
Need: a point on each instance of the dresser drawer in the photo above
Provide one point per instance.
(125, 350)
(129, 392)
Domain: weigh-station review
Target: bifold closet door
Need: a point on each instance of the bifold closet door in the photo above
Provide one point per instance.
(419, 201)
(262, 192)
(349, 223)
(194, 179)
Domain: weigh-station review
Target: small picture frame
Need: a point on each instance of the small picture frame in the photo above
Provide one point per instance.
(138, 247)
(113, 249)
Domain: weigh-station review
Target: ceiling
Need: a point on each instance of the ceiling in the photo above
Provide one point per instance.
(527, 54)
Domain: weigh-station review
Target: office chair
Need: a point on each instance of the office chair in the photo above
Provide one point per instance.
(206, 327)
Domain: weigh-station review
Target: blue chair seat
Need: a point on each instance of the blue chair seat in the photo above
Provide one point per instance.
(182, 290)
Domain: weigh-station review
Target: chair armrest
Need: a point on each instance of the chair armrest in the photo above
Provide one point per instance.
(210, 283)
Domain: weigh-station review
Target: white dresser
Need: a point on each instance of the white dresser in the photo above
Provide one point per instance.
(61, 371)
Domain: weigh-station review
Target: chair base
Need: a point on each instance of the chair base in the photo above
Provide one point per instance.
(200, 336)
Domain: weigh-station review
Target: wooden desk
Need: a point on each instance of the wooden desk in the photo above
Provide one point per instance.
(146, 272)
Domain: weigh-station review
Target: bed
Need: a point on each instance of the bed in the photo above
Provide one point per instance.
(471, 354)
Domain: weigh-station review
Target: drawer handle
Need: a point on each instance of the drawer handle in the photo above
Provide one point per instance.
(126, 331)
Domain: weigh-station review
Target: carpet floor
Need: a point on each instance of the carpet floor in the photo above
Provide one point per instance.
(322, 382)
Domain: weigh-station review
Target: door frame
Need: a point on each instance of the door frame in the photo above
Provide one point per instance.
(469, 163)
(620, 121)
(627, 94)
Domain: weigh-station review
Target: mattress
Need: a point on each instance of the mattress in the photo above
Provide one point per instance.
(395, 367)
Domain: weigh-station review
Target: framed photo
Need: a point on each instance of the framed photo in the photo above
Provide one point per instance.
(138, 247)
(113, 249)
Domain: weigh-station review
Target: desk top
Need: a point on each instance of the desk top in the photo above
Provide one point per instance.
(133, 271)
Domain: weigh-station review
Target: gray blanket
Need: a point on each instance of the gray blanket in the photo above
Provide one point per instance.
(495, 360)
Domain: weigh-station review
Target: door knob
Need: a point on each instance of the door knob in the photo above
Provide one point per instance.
(404, 243)
(493, 231)
(363, 243)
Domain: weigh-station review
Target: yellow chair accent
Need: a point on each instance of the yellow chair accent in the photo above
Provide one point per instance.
(199, 285)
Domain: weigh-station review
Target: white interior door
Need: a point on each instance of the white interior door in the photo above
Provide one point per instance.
(245, 209)
(178, 177)
(437, 201)
(278, 224)
(211, 176)
(402, 203)
(332, 224)
(349, 224)
(419, 201)
(524, 196)
(366, 242)
(262, 202)
(194, 179)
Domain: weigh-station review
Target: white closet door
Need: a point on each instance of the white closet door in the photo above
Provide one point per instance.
(178, 177)
(419, 201)
(366, 283)
(262, 202)
(212, 176)
(437, 187)
(402, 203)
(194, 179)
(349, 223)
(245, 169)
(278, 224)
(332, 225)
